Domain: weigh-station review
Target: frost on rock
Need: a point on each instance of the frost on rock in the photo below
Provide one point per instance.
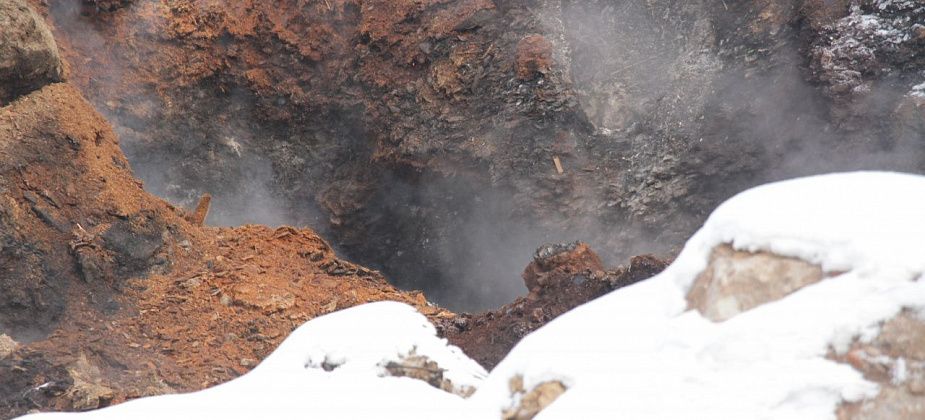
(836, 332)
(875, 40)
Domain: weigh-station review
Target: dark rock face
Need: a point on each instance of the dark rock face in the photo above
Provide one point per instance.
(442, 141)
(28, 54)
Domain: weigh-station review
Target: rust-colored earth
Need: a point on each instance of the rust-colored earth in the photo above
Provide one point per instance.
(124, 297)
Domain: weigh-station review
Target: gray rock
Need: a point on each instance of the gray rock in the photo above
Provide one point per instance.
(28, 54)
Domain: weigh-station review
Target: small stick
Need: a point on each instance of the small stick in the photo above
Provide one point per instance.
(202, 209)
(555, 159)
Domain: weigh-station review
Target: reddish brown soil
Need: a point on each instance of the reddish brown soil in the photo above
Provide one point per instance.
(115, 294)
(571, 278)
(148, 302)
(203, 308)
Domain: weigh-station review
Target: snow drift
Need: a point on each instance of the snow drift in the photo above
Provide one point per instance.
(640, 352)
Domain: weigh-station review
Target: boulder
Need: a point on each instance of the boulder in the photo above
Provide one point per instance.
(28, 54)
(736, 281)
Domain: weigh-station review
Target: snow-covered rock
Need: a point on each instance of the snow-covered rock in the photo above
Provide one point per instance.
(837, 334)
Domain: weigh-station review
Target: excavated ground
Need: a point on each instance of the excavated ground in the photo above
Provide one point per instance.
(422, 136)
(431, 139)
(112, 294)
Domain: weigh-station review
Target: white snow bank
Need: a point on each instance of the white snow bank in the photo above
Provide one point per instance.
(639, 353)
(636, 353)
(292, 383)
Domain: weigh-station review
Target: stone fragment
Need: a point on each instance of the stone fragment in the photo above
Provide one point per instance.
(531, 403)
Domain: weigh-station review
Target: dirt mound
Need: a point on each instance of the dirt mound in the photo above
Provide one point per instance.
(106, 287)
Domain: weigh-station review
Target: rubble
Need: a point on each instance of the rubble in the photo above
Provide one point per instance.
(112, 294)
(394, 127)
(383, 124)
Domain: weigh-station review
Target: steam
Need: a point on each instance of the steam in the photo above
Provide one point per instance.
(690, 103)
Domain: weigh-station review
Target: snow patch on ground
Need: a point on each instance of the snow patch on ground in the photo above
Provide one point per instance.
(330, 368)
(638, 352)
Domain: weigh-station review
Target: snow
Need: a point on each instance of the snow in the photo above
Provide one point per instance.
(918, 91)
(291, 382)
(637, 352)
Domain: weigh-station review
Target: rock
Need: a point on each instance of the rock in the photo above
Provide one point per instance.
(7, 346)
(534, 56)
(895, 360)
(736, 281)
(28, 53)
(820, 13)
(135, 241)
(419, 367)
(88, 392)
(262, 297)
(531, 403)
(556, 263)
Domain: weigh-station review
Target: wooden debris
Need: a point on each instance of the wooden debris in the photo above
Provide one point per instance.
(555, 159)
(202, 209)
